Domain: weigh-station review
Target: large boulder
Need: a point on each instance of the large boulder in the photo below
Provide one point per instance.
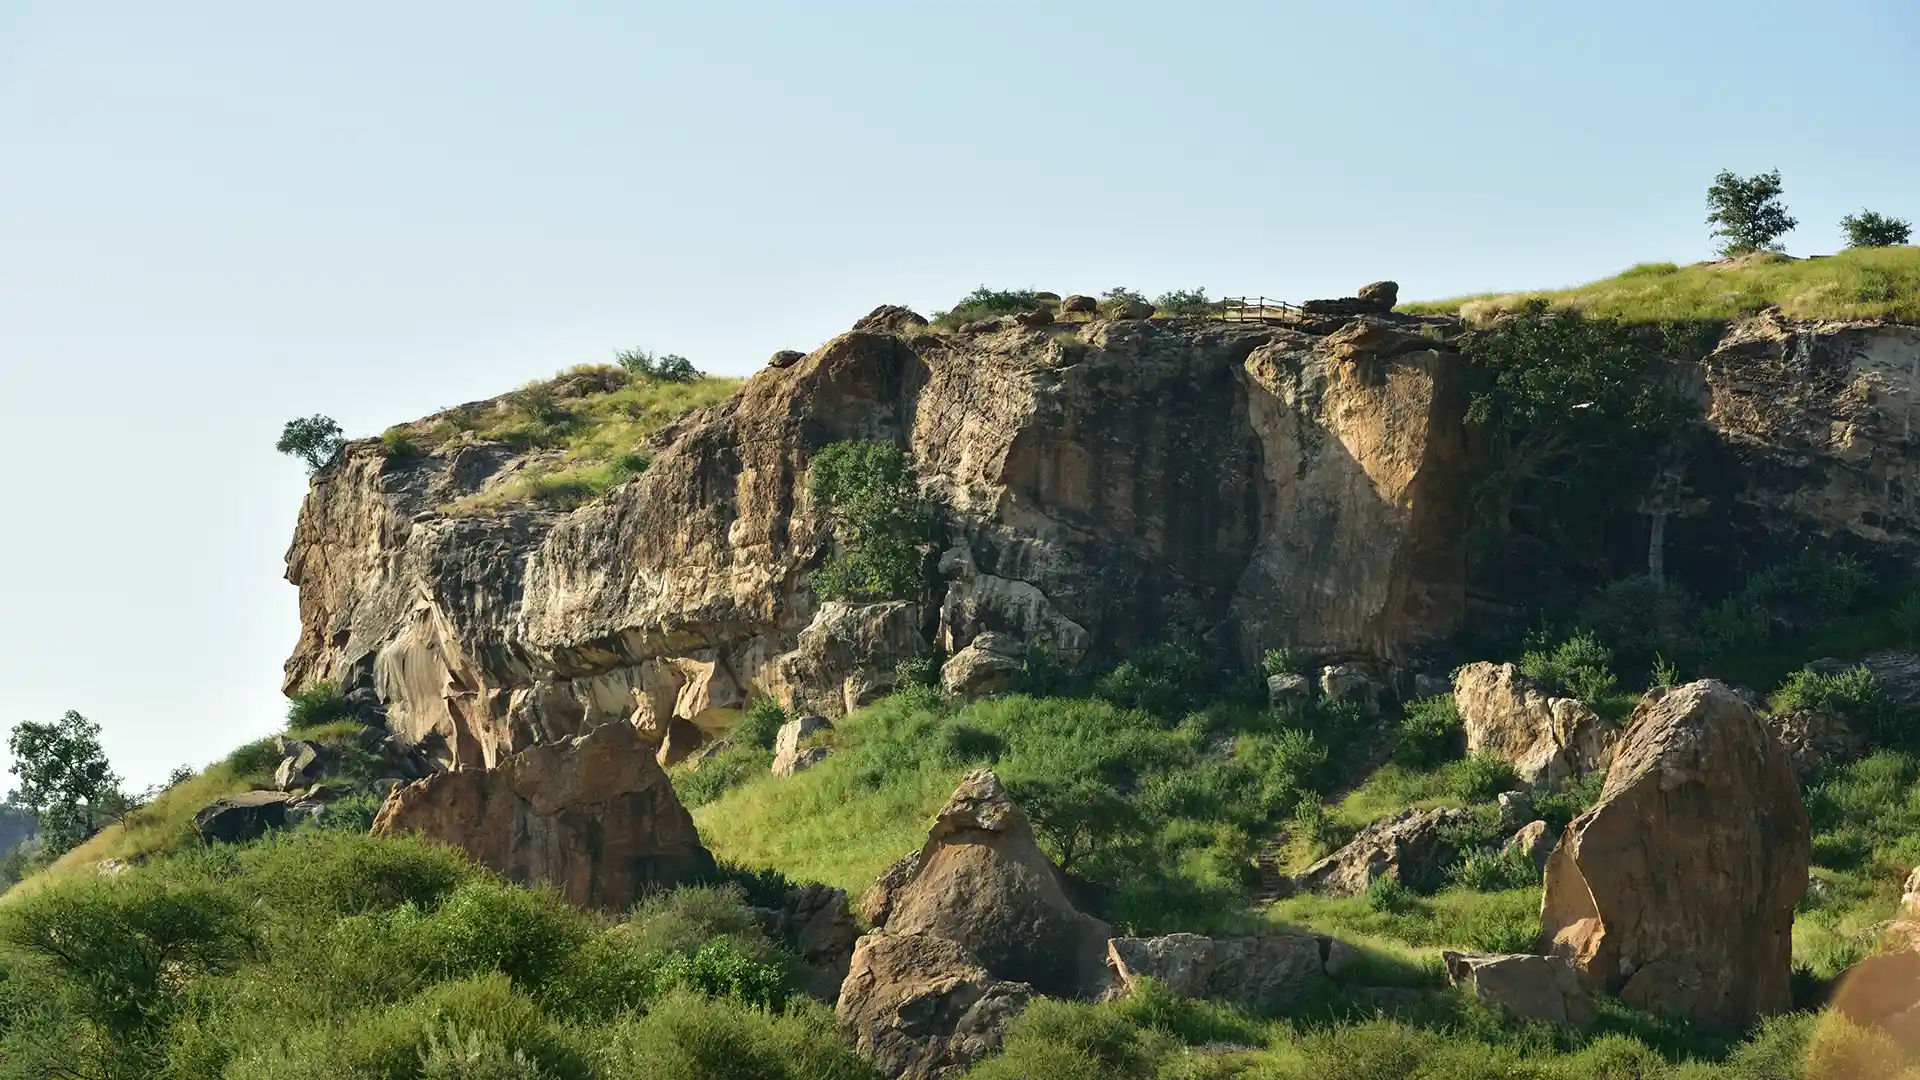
(1414, 846)
(1258, 972)
(1383, 295)
(846, 656)
(1523, 985)
(983, 881)
(1130, 309)
(790, 752)
(237, 819)
(987, 666)
(890, 319)
(1815, 739)
(1534, 843)
(1078, 304)
(1676, 891)
(301, 763)
(1548, 740)
(920, 1007)
(816, 922)
(593, 815)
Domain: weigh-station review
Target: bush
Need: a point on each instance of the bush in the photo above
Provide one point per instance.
(1492, 870)
(985, 303)
(1119, 295)
(1870, 229)
(1480, 778)
(330, 874)
(667, 367)
(398, 444)
(689, 1037)
(1578, 667)
(760, 725)
(870, 493)
(1282, 662)
(917, 671)
(1187, 303)
(1852, 697)
(1637, 618)
(316, 706)
(488, 925)
(1431, 732)
(721, 969)
(1163, 679)
(710, 778)
(1831, 584)
(1075, 817)
(255, 760)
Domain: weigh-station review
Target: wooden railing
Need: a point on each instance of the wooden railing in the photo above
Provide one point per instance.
(1252, 309)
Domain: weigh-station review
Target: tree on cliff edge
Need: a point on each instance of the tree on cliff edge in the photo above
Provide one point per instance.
(1747, 212)
(312, 439)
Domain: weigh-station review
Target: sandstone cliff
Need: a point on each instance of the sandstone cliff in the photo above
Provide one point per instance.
(1100, 485)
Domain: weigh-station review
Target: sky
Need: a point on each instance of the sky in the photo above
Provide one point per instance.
(215, 217)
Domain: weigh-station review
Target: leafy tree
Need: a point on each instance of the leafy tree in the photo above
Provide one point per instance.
(667, 367)
(1076, 817)
(65, 780)
(1577, 424)
(870, 494)
(313, 439)
(1870, 229)
(1118, 295)
(1747, 212)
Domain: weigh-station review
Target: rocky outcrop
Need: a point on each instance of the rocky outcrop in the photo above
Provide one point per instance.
(1815, 739)
(790, 752)
(237, 819)
(1257, 972)
(816, 923)
(1676, 891)
(1414, 846)
(920, 1007)
(592, 815)
(1527, 986)
(985, 667)
(1249, 485)
(982, 881)
(1548, 740)
(1534, 843)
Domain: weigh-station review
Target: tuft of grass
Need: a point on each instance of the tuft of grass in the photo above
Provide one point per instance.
(1860, 283)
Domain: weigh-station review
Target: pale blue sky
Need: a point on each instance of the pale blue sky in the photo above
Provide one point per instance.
(217, 216)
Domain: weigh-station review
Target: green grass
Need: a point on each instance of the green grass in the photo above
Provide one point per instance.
(594, 420)
(1862, 283)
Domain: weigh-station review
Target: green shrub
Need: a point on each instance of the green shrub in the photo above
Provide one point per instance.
(1282, 662)
(760, 725)
(1431, 732)
(1480, 778)
(1559, 807)
(632, 462)
(917, 671)
(701, 782)
(487, 925)
(329, 873)
(1579, 667)
(313, 439)
(1870, 228)
(1493, 870)
(985, 303)
(474, 1055)
(1119, 295)
(1906, 620)
(720, 969)
(1163, 679)
(1187, 303)
(1830, 583)
(1637, 618)
(399, 444)
(315, 706)
(686, 1036)
(870, 494)
(1075, 817)
(1388, 895)
(667, 367)
(1852, 697)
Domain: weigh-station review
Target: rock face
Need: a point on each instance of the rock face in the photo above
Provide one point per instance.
(1412, 846)
(1077, 304)
(1548, 740)
(1814, 739)
(920, 1007)
(983, 882)
(1382, 294)
(1259, 972)
(1527, 986)
(1534, 843)
(987, 666)
(1130, 309)
(1676, 891)
(1249, 485)
(789, 755)
(592, 815)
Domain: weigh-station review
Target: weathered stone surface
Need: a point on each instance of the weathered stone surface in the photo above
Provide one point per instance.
(300, 764)
(1883, 992)
(1035, 319)
(1897, 674)
(889, 319)
(988, 666)
(1813, 739)
(1412, 845)
(785, 358)
(1351, 683)
(1534, 842)
(1381, 294)
(877, 902)
(1130, 309)
(1253, 971)
(1527, 986)
(846, 656)
(788, 743)
(237, 819)
(1516, 809)
(1676, 891)
(1077, 304)
(815, 921)
(1548, 740)
(593, 815)
(921, 1007)
(1287, 688)
(983, 881)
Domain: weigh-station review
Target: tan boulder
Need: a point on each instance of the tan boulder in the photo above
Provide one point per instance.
(1035, 319)
(1382, 294)
(983, 881)
(593, 815)
(1524, 985)
(1548, 740)
(790, 754)
(985, 667)
(1253, 971)
(1814, 739)
(890, 319)
(1078, 304)
(846, 656)
(1413, 846)
(1676, 891)
(1534, 843)
(920, 1007)
(1130, 309)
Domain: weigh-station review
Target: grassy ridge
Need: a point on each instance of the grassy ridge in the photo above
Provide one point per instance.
(1860, 283)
